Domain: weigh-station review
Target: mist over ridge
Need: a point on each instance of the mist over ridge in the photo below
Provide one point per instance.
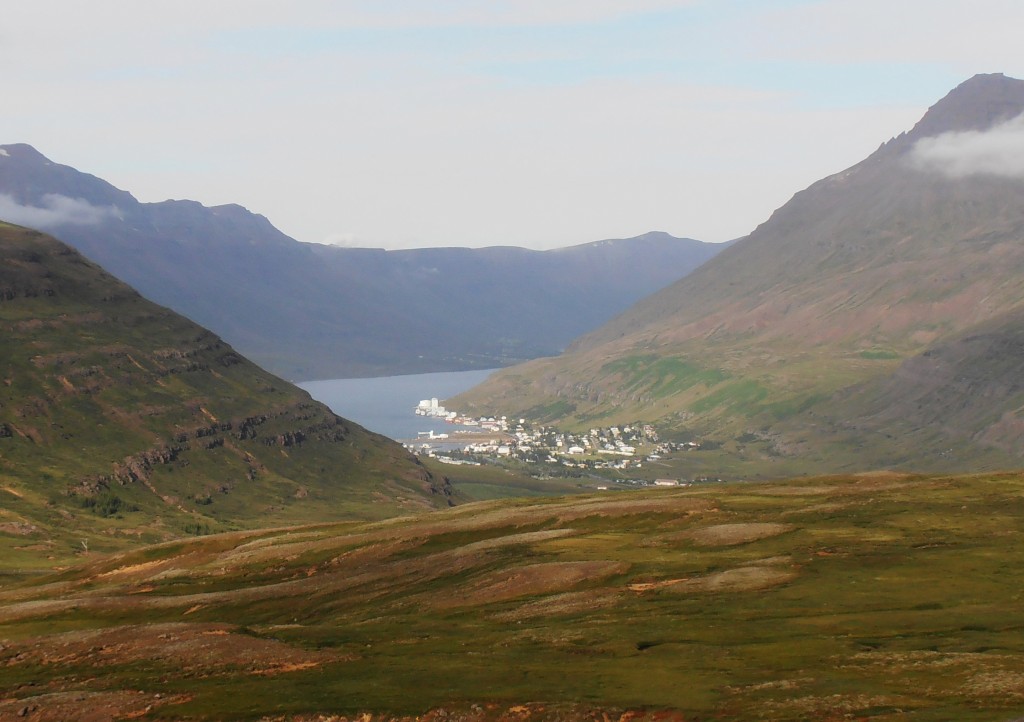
(783, 333)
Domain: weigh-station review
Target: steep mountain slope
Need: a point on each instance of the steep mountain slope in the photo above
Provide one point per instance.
(308, 311)
(860, 270)
(122, 421)
(964, 392)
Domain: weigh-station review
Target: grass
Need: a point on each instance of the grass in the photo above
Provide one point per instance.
(874, 596)
(117, 415)
(487, 482)
(661, 376)
(879, 354)
(740, 394)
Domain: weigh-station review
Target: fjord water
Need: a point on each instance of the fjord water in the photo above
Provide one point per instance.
(385, 404)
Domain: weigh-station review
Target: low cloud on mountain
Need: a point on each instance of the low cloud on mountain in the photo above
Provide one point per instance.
(998, 151)
(57, 210)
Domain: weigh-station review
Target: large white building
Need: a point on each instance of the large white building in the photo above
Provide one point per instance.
(431, 407)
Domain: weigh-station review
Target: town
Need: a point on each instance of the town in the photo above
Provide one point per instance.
(499, 440)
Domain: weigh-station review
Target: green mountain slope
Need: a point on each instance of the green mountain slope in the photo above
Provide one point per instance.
(859, 271)
(121, 422)
(962, 398)
(882, 597)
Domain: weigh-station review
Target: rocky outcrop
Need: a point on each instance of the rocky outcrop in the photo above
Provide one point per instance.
(139, 467)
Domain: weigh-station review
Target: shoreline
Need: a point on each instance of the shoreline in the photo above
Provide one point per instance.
(469, 437)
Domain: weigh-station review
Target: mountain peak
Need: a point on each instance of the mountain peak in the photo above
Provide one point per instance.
(978, 103)
(882, 261)
(29, 177)
(22, 151)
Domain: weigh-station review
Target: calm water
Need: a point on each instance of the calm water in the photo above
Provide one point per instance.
(386, 404)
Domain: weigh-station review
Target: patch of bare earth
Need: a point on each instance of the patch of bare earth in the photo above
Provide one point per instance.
(625, 507)
(84, 706)
(788, 490)
(143, 569)
(859, 484)
(529, 580)
(186, 647)
(742, 579)
(827, 508)
(829, 707)
(485, 515)
(981, 675)
(1001, 684)
(492, 712)
(732, 534)
(360, 585)
(562, 604)
(18, 528)
(37, 608)
(529, 537)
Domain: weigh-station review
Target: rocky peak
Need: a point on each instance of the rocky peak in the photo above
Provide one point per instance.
(21, 152)
(976, 104)
(30, 177)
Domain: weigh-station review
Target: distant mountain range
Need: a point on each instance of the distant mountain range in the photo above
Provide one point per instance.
(307, 311)
(122, 422)
(875, 319)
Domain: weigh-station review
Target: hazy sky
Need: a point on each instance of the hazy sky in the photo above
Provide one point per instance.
(541, 123)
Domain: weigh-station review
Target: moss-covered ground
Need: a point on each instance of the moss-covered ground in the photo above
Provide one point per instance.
(865, 597)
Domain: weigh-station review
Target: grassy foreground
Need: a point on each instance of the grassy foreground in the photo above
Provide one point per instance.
(874, 596)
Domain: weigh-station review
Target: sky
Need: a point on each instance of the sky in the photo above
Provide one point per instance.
(536, 123)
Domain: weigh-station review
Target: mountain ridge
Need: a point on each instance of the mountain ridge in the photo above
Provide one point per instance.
(307, 311)
(863, 269)
(122, 422)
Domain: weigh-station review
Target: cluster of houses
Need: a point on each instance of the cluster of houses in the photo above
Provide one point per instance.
(498, 438)
(614, 447)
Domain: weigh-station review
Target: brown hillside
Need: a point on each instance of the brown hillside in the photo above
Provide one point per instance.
(122, 421)
(860, 270)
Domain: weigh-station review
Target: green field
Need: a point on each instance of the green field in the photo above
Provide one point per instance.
(865, 597)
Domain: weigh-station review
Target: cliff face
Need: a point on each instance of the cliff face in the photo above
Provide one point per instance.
(122, 419)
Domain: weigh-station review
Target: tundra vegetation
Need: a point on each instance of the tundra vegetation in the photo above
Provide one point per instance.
(877, 596)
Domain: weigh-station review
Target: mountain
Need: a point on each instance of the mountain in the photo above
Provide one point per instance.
(307, 311)
(909, 249)
(962, 396)
(122, 422)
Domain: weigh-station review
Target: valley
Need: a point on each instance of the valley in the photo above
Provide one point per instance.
(775, 479)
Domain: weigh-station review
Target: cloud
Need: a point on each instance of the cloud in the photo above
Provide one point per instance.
(343, 240)
(515, 122)
(57, 210)
(998, 151)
